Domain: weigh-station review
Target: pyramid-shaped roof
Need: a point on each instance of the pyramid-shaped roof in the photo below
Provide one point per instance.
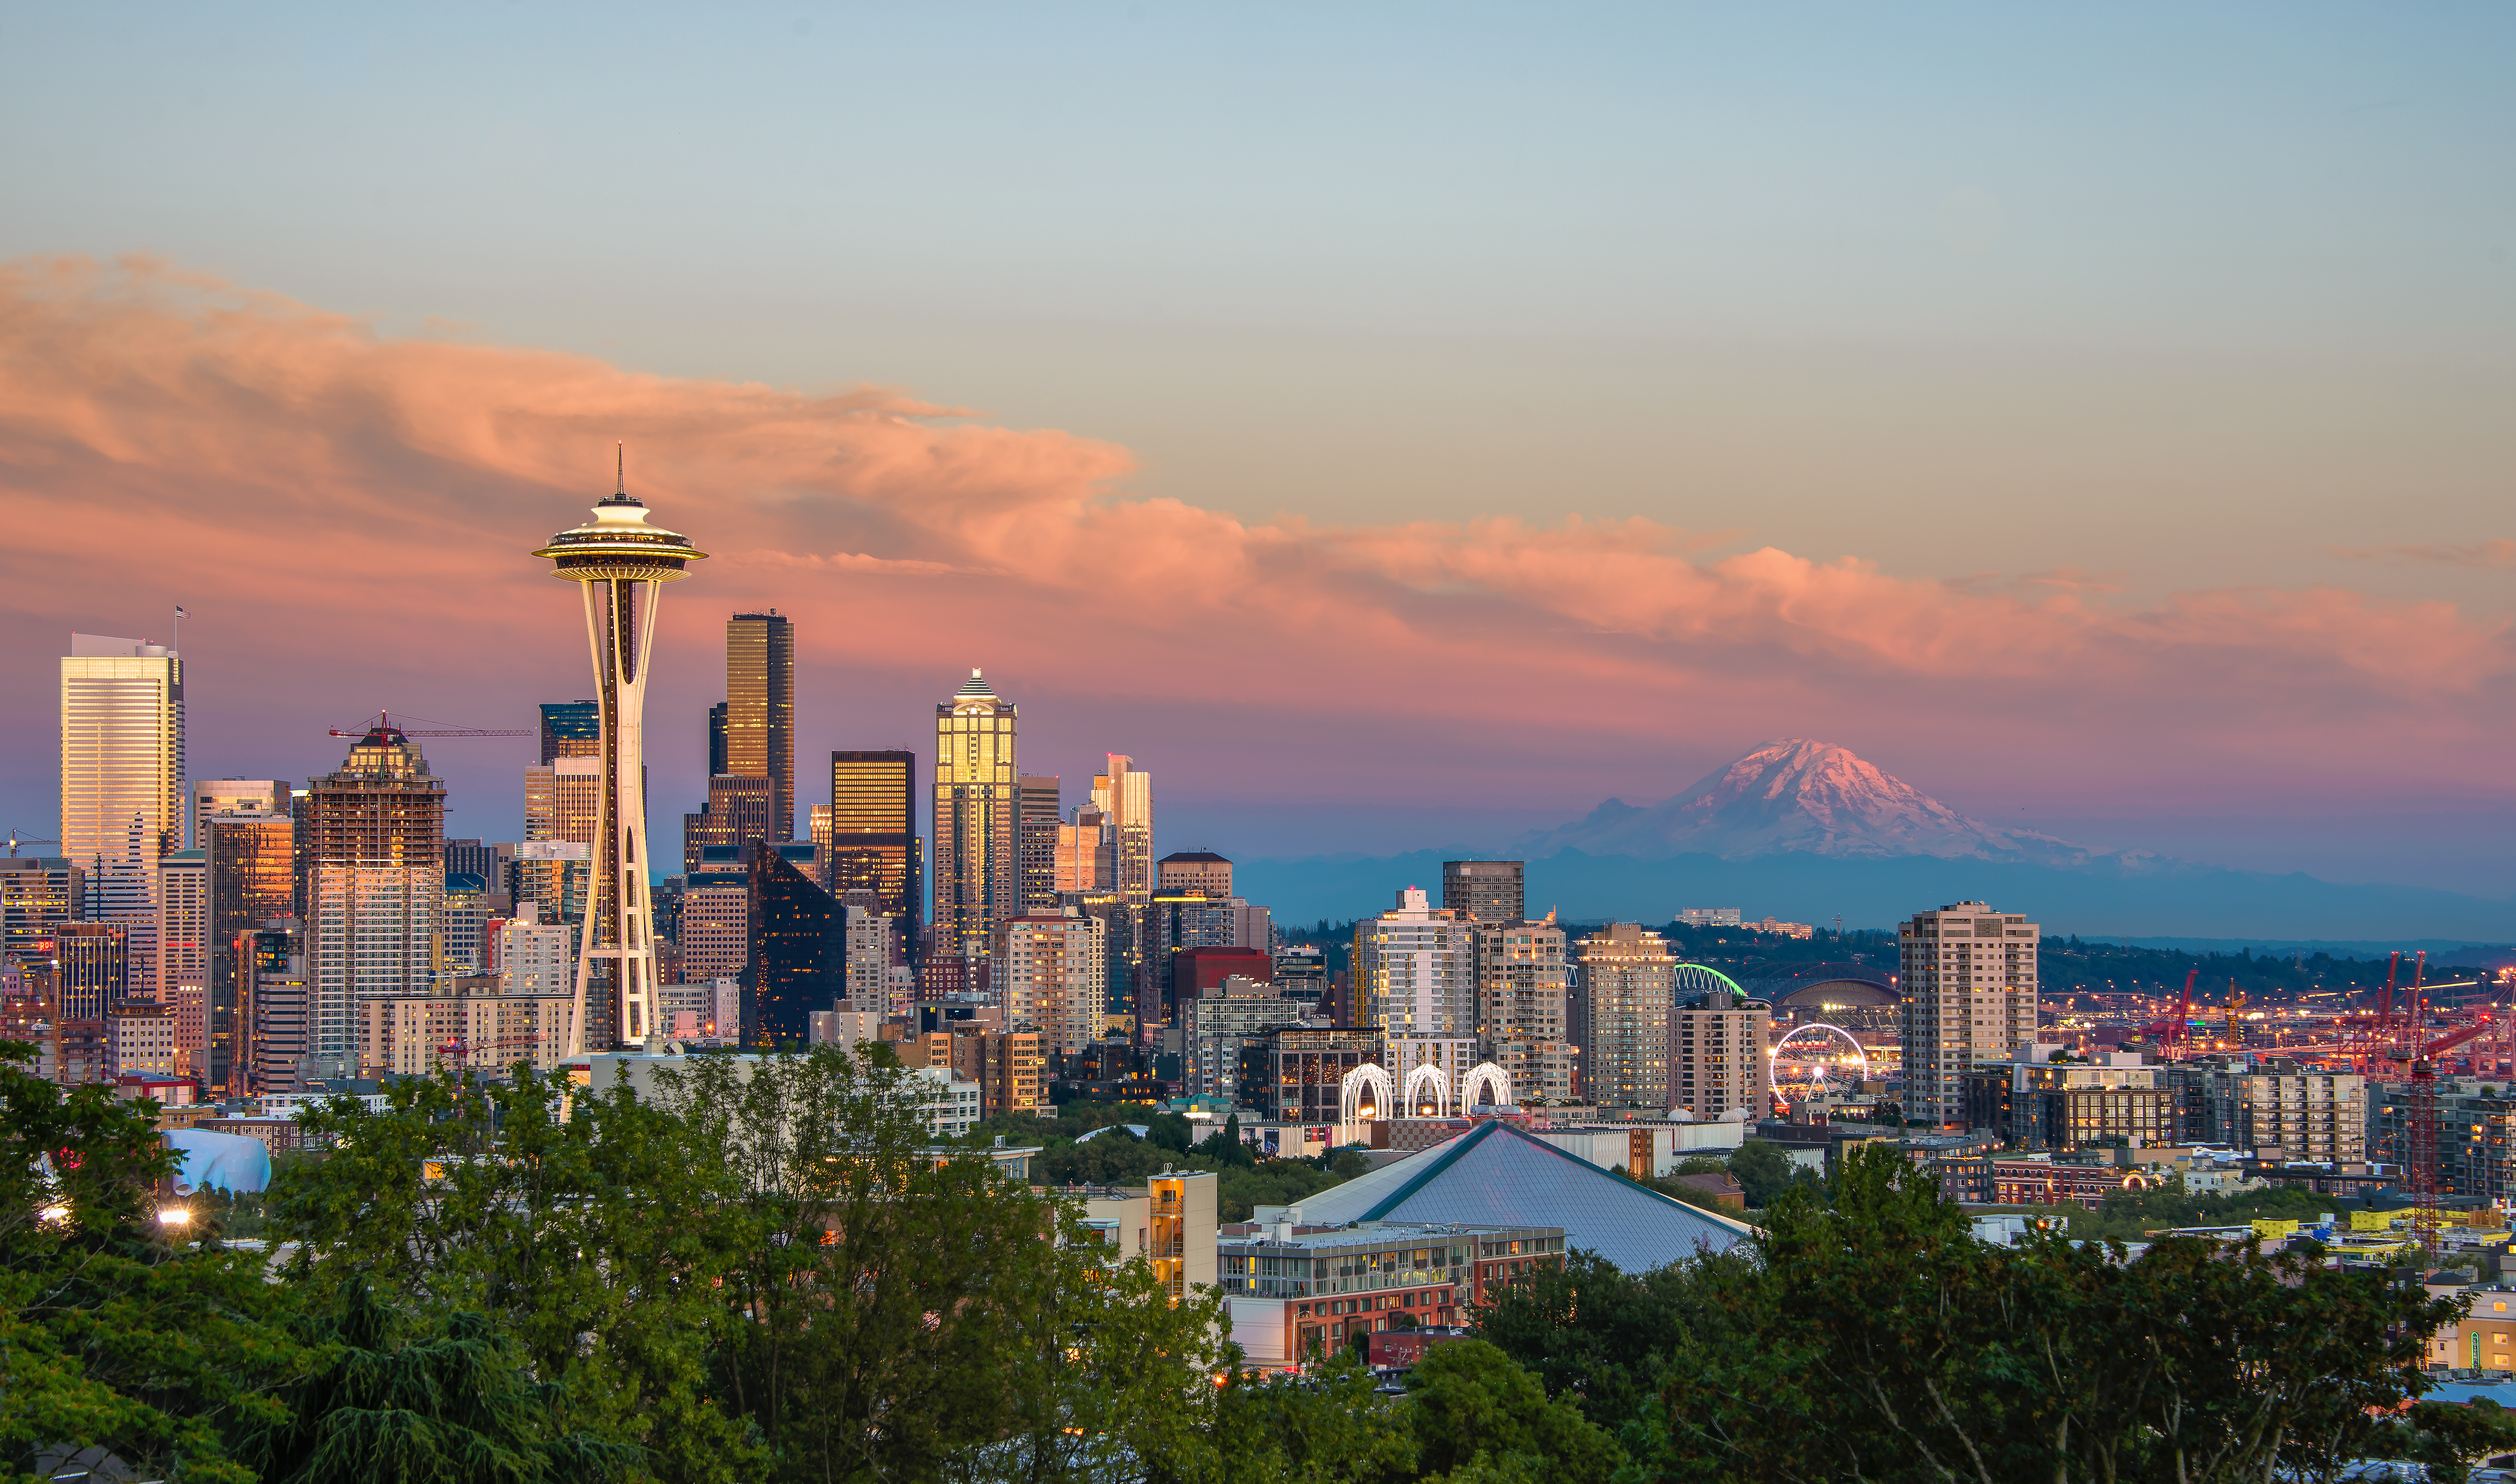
(975, 686)
(1496, 1175)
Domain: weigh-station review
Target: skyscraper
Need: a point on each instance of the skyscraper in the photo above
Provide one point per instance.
(1035, 841)
(760, 710)
(36, 894)
(253, 879)
(716, 739)
(563, 799)
(737, 813)
(1969, 995)
(236, 795)
(122, 778)
(185, 950)
(1523, 1003)
(797, 963)
(1083, 853)
(622, 564)
(572, 729)
(873, 833)
(1485, 890)
(1124, 796)
(1197, 871)
(373, 835)
(978, 879)
(1629, 1001)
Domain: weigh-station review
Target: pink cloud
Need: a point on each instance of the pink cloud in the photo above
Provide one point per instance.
(366, 503)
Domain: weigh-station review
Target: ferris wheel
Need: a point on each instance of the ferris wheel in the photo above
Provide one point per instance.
(1823, 1054)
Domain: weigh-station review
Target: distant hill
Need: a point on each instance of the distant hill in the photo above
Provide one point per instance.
(1807, 830)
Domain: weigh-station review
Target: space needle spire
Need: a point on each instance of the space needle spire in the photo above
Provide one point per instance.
(621, 561)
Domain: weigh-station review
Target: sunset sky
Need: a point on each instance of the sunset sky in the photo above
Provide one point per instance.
(1394, 425)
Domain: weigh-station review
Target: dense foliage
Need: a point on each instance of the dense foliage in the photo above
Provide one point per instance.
(1091, 1143)
(769, 1271)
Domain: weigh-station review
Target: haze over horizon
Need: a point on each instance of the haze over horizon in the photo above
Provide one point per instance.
(1393, 433)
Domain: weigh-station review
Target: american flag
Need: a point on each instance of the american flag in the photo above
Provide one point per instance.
(179, 611)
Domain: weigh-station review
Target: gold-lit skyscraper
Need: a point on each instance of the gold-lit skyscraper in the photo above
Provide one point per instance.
(122, 779)
(1124, 796)
(622, 564)
(873, 839)
(372, 836)
(977, 872)
(760, 710)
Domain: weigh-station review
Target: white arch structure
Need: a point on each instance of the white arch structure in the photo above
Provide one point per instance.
(1776, 1054)
(1423, 1076)
(1486, 1077)
(1384, 1095)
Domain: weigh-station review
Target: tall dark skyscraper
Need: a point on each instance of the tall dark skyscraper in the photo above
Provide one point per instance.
(760, 710)
(1487, 890)
(716, 739)
(572, 729)
(797, 959)
(1035, 840)
(873, 839)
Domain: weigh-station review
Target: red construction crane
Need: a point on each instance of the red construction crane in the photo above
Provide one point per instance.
(2423, 1160)
(2175, 1036)
(384, 722)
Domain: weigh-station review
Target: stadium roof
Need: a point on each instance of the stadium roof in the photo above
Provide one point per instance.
(1496, 1174)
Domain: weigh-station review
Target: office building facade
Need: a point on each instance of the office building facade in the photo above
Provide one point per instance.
(1037, 809)
(760, 710)
(185, 950)
(236, 796)
(796, 963)
(1200, 871)
(1124, 798)
(1083, 853)
(737, 813)
(873, 841)
(1485, 890)
(252, 879)
(570, 730)
(978, 878)
(1968, 997)
(37, 893)
(122, 794)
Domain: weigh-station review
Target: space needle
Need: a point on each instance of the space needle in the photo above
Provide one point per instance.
(623, 561)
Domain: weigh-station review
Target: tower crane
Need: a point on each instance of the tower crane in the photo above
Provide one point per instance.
(384, 722)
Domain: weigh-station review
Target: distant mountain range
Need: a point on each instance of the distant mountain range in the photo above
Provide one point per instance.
(1808, 831)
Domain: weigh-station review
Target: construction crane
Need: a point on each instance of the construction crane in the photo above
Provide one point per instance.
(384, 722)
(2176, 1034)
(2423, 1161)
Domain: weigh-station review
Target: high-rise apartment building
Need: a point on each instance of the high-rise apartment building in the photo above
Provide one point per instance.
(532, 957)
(873, 843)
(1719, 1068)
(1968, 986)
(253, 879)
(373, 837)
(978, 878)
(1485, 890)
(556, 875)
(1124, 797)
(716, 926)
(572, 729)
(1198, 871)
(620, 563)
(462, 926)
(277, 1010)
(1037, 809)
(122, 779)
(1048, 976)
(760, 710)
(1629, 1000)
(94, 967)
(2279, 1109)
(236, 795)
(1523, 983)
(1220, 1030)
(1415, 973)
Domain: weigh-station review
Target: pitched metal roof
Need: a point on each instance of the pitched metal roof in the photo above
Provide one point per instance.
(1497, 1174)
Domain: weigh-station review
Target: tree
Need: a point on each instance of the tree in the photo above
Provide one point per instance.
(908, 1313)
(121, 1341)
(1764, 1172)
(452, 1406)
(589, 1231)
(1468, 1403)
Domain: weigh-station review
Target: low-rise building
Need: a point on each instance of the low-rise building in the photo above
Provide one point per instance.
(1169, 1222)
(2273, 1107)
(1302, 1291)
(2045, 1098)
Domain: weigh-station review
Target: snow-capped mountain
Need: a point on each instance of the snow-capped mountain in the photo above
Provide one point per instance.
(1801, 797)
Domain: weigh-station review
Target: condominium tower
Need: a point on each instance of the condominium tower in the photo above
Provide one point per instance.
(977, 873)
(1968, 983)
(373, 839)
(1629, 997)
(1414, 976)
(1485, 890)
(122, 779)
